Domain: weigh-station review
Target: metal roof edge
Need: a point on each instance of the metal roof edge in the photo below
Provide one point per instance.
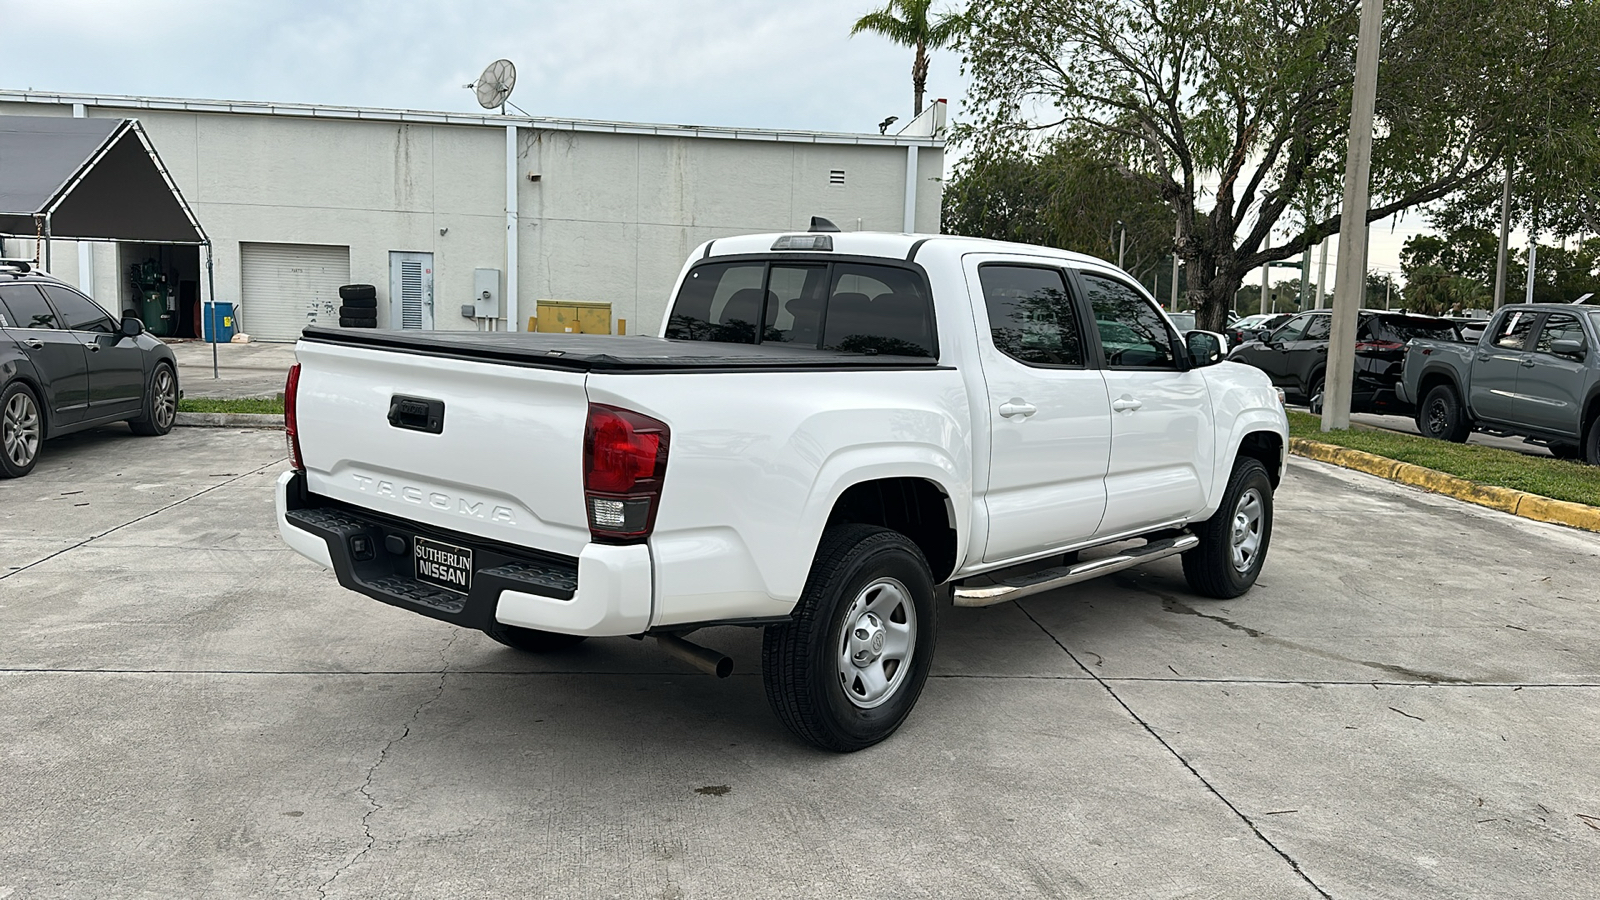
(319, 111)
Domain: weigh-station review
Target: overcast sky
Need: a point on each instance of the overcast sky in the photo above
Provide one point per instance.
(763, 63)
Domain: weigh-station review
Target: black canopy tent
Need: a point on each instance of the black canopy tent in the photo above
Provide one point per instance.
(92, 180)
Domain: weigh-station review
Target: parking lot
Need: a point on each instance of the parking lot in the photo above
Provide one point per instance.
(1407, 705)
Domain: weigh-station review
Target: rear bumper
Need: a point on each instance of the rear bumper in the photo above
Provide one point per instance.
(606, 590)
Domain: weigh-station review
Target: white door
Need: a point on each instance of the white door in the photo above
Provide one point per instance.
(285, 287)
(1050, 420)
(411, 290)
(1163, 431)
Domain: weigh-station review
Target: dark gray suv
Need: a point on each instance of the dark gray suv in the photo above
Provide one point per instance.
(65, 366)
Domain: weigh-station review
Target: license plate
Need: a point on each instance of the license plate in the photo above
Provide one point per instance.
(444, 565)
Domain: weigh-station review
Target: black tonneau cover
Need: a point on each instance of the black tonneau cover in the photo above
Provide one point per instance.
(608, 353)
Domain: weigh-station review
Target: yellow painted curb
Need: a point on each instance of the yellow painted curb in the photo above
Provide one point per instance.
(1518, 503)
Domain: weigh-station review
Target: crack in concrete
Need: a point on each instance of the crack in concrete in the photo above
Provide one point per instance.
(365, 790)
(1293, 863)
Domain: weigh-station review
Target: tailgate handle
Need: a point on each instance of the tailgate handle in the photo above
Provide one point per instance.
(417, 414)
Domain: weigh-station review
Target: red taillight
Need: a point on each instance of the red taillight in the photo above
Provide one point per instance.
(1378, 345)
(624, 462)
(291, 431)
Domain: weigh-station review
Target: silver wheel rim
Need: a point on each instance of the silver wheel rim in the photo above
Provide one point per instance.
(1247, 519)
(21, 429)
(876, 644)
(166, 401)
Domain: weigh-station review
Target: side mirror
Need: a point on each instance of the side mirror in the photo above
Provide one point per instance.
(1568, 347)
(132, 326)
(1205, 348)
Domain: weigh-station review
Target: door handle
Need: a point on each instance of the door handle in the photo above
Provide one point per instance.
(35, 343)
(94, 347)
(1125, 404)
(1528, 363)
(1016, 406)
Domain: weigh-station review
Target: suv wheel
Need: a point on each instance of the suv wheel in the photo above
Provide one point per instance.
(21, 430)
(1314, 396)
(1233, 543)
(1442, 416)
(846, 670)
(1591, 444)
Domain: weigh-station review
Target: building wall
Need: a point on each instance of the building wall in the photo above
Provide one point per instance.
(611, 217)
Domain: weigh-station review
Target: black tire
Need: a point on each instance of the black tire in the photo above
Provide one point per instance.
(530, 640)
(1567, 451)
(357, 312)
(346, 322)
(1442, 416)
(22, 430)
(1214, 569)
(364, 294)
(160, 403)
(871, 576)
(1591, 443)
(1314, 394)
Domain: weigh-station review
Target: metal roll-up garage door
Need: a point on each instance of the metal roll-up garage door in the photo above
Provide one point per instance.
(286, 287)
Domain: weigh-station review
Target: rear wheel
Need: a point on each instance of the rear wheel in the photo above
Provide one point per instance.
(530, 640)
(1442, 415)
(1591, 444)
(847, 669)
(21, 430)
(160, 403)
(1233, 543)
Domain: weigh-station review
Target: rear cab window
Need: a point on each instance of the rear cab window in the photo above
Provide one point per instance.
(1512, 332)
(844, 306)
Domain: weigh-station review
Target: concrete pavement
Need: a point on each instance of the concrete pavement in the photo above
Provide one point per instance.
(256, 369)
(1405, 706)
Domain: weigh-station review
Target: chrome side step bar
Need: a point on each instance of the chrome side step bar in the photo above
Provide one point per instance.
(1020, 586)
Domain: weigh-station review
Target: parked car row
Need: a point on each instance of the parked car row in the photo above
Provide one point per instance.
(66, 366)
(1533, 373)
(1295, 355)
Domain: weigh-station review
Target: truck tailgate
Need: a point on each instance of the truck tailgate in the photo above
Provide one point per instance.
(506, 463)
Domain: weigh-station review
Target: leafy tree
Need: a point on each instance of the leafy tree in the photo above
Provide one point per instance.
(1068, 195)
(1236, 112)
(913, 28)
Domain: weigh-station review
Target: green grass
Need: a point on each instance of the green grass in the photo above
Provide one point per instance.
(258, 405)
(1554, 478)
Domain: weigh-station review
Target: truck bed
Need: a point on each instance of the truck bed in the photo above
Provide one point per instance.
(608, 353)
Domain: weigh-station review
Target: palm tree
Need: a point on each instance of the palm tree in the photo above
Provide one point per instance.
(912, 29)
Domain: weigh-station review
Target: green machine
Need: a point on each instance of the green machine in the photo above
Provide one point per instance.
(158, 299)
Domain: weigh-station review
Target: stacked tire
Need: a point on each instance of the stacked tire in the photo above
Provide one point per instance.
(358, 306)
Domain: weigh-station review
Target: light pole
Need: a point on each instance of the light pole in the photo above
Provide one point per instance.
(1351, 284)
(1122, 242)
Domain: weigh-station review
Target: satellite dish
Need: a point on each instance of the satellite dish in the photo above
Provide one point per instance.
(495, 84)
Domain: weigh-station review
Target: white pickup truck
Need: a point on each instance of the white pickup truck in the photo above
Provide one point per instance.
(829, 429)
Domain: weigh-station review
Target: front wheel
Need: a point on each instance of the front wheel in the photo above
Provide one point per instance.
(1443, 417)
(160, 403)
(1591, 443)
(1314, 396)
(847, 669)
(1234, 541)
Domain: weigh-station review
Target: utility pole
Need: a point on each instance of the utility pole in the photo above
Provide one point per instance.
(1505, 241)
(1352, 282)
(1322, 274)
(1122, 243)
(1262, 306)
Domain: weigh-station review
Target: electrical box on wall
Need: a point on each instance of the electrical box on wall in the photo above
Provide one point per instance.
(486, 293)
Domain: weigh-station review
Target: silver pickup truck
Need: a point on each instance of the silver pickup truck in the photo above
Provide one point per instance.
(1534, 373)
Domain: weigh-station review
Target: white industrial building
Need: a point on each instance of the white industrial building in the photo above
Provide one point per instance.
(300, 199)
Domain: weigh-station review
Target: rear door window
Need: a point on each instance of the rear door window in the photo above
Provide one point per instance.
(1512, 333)
(24, 307)
(1318, 328)
(1031, 315)
(77, 312)
(845, 306)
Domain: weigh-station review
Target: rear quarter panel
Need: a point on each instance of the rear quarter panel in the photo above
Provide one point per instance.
(757, 461)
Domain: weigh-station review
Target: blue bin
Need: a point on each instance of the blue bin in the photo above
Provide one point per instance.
(226, 324)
